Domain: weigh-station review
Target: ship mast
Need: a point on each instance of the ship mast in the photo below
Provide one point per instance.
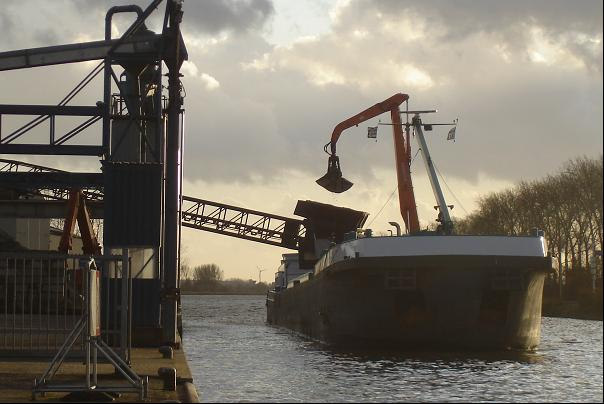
(446, 224)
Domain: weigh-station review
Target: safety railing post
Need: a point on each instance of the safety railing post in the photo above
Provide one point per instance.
(124, 305)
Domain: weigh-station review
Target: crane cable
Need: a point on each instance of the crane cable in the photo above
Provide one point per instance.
(441, 177)
(383, 206)
(393, 191)
(447, 185)
(445, 182)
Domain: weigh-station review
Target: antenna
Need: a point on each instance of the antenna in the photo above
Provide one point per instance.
(424, 111)
(260, 274)
(372, 132)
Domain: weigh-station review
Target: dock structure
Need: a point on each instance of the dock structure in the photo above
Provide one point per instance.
(50, 201)
(137, 195)
(16, 377)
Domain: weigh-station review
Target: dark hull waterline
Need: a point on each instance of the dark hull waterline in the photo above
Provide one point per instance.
(423, 302)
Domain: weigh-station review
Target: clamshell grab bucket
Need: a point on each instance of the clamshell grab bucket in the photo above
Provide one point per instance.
(333, 180)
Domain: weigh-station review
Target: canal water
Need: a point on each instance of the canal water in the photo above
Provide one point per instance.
(235, 357)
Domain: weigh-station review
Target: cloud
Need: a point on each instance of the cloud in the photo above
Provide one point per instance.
(7, 27)
(572, 25)
(520, 77)
(511, 105)
(210, 82)
(189, 68)
(524, 79)
(239, 16)
(65, 20)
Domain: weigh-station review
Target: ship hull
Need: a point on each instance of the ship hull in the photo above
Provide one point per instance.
(422, 302)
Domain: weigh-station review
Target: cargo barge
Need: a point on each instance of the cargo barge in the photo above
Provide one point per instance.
(459, 292)
(424, 289)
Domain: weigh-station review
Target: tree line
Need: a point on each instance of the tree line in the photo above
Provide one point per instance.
(208, 278)
(567, 206)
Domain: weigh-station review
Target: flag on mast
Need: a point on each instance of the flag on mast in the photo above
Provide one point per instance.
(372, 132)
(451, 134)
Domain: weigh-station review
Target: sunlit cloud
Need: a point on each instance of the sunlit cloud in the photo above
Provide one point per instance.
(544, 49)
(204, 43)
(519, 76)
(263, 63)
(414, 77)
(210, 82)
(305, 39)
(360, 33)
(321, 75)
(336, 11)
(503, 52)
(189, 68)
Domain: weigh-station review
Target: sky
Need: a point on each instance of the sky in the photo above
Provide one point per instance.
(267, 81)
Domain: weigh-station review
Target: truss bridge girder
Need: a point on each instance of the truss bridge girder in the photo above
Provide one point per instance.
(242, 223)
(35, 180)
(135, 47)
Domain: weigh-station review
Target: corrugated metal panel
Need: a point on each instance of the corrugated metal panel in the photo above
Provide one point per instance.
(132, 204)
(145, 302)
(125, 141)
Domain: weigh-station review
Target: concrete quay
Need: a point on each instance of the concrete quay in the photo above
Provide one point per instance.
(17, 377)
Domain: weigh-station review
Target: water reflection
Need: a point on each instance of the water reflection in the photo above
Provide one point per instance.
(235, 357)
(447, 358)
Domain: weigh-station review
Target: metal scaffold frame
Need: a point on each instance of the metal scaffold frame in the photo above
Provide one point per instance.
(88, 328)
(157, 120)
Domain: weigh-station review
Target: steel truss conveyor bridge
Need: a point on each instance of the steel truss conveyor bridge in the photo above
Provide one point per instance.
(196, 213)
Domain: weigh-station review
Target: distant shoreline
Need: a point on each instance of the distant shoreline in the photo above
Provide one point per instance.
(556, 310)
(225, 293)
(570, 309)
(575, 317)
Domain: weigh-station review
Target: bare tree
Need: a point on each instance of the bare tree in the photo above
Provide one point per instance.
(185, 271)
(208, 273)
(566, 205)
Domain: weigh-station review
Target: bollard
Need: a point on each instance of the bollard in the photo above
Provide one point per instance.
(168, 375)
(167, 351)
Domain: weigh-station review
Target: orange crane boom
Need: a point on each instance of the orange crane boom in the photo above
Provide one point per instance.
(76, 210)
(333, 180)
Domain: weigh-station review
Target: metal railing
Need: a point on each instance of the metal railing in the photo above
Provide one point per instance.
(119, 105)
(40, 302)
(88, 330)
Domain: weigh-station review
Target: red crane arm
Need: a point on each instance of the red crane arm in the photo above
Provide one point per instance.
(389, 104)
(402, 149)
(76, 210)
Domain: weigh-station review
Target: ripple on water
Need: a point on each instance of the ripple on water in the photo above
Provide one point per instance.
(235, 357)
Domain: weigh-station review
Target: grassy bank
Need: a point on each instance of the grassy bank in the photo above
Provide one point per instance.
(226, 287)
(588, 308)
(253, 293)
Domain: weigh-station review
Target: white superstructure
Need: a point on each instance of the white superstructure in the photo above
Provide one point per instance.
(288, 271)
(433, 245)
